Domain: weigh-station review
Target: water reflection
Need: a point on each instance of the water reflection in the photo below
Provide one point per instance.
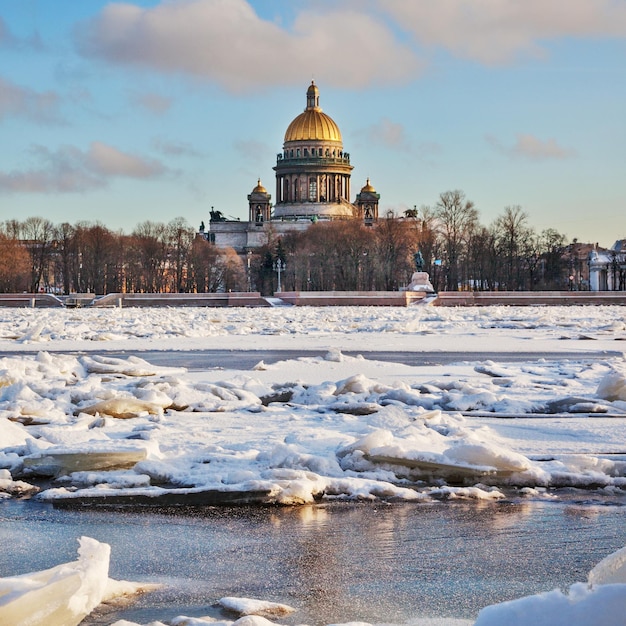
(334, 563)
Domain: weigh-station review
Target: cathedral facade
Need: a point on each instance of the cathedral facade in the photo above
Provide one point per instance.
(312, 183)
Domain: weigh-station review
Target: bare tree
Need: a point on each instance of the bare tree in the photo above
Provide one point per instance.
(14, 265)
(38, 236)
(212, 269)
(531, 254)
(457, 219)
(233, 273)
(512, 232)
(554, 266)
(396, 243)
(65, 261)
(180, 236)
(96, 260)
(482, 260)
(319, 256)
(149, 241)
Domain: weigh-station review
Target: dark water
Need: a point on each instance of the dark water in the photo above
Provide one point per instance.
(203, 359)
(334, 563)
(200, 360)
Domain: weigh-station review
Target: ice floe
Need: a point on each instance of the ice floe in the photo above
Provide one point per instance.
(64, 594)
(383, 431)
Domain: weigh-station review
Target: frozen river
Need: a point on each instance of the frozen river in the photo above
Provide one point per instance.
(211, 414)
(335, 563)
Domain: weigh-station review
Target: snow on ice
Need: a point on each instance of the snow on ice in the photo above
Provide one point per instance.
(120, 426)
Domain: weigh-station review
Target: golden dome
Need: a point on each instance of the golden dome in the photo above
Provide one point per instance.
(313, 124)
(259, 188)
(368, 187)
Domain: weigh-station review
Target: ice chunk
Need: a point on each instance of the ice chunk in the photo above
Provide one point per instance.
(58, 461)
(12, 434)
(249, 606)
(335, 355)
(15, 487)
(124, 408)
(610, 570)
(491, 455)
(61, 596)
(604, 605)
(253, 620)
(602, 602)
(612, 387)
(131, 366)
(64, 595)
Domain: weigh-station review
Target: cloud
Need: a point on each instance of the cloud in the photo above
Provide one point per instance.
(58, 172)
(6, 38)
(9, 40)
(501, 31)
(153, 102)
(531, 147)
(253, 151)
(389, 134)
(227, 42)
(350, 44)
(106, 160)
(71, 170)
(175, 148)
(17, 101)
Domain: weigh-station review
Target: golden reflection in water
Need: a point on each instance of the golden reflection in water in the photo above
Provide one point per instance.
(305, 515)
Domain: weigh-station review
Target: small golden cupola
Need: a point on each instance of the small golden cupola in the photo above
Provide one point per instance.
(368, 188)
(259, 187)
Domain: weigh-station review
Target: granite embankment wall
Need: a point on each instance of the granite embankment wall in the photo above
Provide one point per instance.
(239, 298)
(528, 298)
(350, 298)
(320, 298)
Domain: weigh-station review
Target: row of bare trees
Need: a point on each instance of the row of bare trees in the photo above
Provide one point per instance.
(455, 248)
(507, 255)
(36, 255)
(344, 255)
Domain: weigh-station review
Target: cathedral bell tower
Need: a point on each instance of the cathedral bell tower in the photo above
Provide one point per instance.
(367, 203)
(260, 205)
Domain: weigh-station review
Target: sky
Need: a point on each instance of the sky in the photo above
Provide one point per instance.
(132, 111)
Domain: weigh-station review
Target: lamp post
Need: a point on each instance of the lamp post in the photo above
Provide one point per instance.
(279, 266)
(249, 256)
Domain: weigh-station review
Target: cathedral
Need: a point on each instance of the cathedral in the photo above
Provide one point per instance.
(312, 184)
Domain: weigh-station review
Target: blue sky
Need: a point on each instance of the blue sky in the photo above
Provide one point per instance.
(147, 110)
